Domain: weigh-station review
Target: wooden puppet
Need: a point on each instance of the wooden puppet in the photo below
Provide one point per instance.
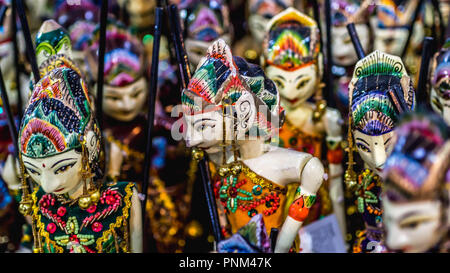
(259, 13)
(230, 110)
(292, 60)
(344, 55)
(203, 23)
(379, 92)
(440, 82)
(415, 193)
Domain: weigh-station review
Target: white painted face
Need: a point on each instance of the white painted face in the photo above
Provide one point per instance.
(445, 104)
(295, 87)
(374, 150)
(343, 51)
(412, 227)
(257, 26)
(391, 41)
(60, 173)
(124, 103)
(204, 131)
(57, 174)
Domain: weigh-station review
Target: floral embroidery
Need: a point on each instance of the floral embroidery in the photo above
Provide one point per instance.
(51, 228)
(75, 242)
(61, 211)
(97, 226)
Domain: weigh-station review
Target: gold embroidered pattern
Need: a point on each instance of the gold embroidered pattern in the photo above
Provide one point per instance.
(125, 211)
(261, 181)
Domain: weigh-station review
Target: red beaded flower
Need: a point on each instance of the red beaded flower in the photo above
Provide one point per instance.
(92, 209)
(61, 211)
(97, 226)
(47, 201)
(51, 228)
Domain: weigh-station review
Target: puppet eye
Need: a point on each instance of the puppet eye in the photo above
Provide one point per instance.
(302, 83)
(363, 147)
(64, 168)
(33, 171)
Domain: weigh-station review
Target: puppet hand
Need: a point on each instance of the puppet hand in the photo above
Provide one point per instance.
(11, 173)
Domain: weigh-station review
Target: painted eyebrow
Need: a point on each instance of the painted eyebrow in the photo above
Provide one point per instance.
(387, 140)
(300, 76)
(61, 161)
(30, 164)
(362, 141)
(199, 120)
(281, 77)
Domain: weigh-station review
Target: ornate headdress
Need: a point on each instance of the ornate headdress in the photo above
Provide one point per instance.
(220, 76)
(57, 114)
(204, 20)
(393, 15)
(379, 91)
(51, 39)
(418, 167)
(292, 40)
(124, 55)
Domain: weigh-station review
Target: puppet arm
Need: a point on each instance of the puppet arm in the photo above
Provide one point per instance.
(135, 224)
(311, 179)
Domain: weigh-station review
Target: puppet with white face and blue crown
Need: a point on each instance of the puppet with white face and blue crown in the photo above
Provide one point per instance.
(379, 92)
(416, 186)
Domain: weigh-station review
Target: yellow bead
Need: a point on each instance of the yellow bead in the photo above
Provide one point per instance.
(84, 202)
(25, 207)
(224, 171)
(95, 196)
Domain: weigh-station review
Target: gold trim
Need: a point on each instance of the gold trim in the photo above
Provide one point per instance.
(118, 222)
(260, 180)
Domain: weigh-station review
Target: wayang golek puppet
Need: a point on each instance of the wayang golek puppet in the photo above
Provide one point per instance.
(72, 208)
(203, 23)
(379, 92)
(416, 186)
(440, 82)
(344, 55)
(292, 60)
(259, 13)
(230, 109)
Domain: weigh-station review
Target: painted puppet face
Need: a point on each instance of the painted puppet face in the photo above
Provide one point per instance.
(391, 40)
(440, 84)
(205, 131)
(374, 150)
(204, 22)
(141, 12)
(57, 174)
(260, 14)
(412, 227)
(295, 87)
(125, 103)
(343, 51)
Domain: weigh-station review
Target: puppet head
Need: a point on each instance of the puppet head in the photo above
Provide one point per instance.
(440, 82)
(416, 174)
(124, 82)
(228, 98)
(291, 56)
(379, 92)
